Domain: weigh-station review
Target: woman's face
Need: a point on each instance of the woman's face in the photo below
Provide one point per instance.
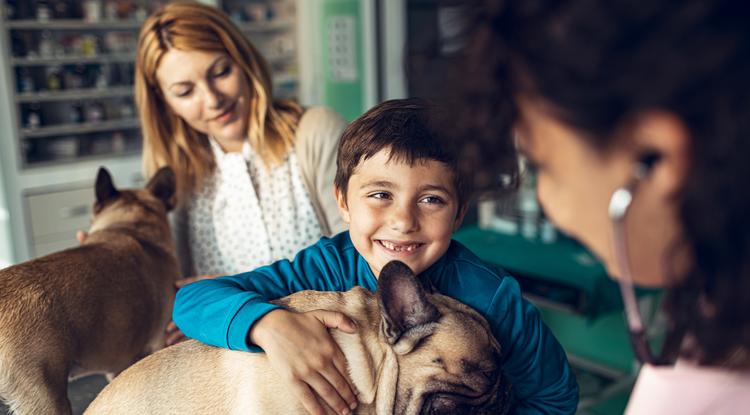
(209, 92)
(575, 182)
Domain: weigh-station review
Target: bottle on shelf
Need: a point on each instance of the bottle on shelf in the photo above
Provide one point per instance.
(33, 116)
(92, 10)
(46, 44)
(89, 45)
(140, 14)
(54, 78)
(126, 109)
(25, 81)
(94, 112)
(61, 9)
(75, 115)
(110, 10)
(43, 12)
(102, 80)
(73, 77)
(118, 142)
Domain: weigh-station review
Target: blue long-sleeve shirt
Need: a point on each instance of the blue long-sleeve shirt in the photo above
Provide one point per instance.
(221, 312)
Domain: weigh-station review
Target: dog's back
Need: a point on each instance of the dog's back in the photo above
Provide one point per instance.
(94, 308)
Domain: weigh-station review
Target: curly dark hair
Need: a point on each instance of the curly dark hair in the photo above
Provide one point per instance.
(599, 62)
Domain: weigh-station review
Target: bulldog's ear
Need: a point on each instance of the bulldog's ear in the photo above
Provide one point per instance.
(104, 187)
(408, 316)
(163, 186)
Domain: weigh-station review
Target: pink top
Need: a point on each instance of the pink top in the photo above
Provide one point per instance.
(687, 389)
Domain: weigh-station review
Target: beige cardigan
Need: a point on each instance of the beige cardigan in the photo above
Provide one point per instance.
(317, 140)
(316, 143)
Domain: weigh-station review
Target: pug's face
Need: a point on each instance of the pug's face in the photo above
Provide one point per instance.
(448, 359)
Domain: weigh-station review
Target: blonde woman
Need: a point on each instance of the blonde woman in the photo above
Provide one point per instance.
(255, 174)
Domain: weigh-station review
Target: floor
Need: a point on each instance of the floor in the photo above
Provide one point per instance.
(80, 392)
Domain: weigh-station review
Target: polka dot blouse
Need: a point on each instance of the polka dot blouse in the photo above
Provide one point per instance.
(248, 215)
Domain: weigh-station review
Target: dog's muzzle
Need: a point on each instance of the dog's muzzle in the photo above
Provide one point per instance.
(496, 402)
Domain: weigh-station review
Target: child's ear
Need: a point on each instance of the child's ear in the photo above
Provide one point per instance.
(460, 216)
(341, 202)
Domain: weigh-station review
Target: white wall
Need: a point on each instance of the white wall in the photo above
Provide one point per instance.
(6, 252)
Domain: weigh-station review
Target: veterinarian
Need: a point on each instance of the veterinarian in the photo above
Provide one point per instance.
(637, 117)
(255, 174)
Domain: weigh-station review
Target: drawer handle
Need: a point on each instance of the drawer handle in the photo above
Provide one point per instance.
(73, 211)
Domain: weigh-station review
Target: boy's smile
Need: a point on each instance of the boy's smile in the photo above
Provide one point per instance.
(399, 211)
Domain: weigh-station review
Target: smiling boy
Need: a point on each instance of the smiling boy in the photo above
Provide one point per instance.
(402, 197)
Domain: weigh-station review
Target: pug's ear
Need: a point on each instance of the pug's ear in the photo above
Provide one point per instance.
(104, 187)
(163, 186)
(408, 316)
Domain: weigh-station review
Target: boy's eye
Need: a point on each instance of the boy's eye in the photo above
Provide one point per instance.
(379, 195)
(432, 200)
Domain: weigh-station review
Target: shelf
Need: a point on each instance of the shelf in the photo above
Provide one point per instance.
(72, 59)
(270, 26)
(82, 128)
(81, 159)
(280, 57)
(75, 94)
(73, 24)
(284, 79)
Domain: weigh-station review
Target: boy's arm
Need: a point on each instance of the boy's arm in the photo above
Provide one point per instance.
(221, 311)
(533, 360)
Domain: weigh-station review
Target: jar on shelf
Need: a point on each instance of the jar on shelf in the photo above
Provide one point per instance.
(110, 10)
(62, 147)
(126, 109)
(89, 45)
(118, 142)
(43, 12)
(94, 112)
(25, 81)
(256, 12)
(75, 115)
(46, 45)
(140, 14)
(73, 77)
(54, 78)
(62, 9)
(92, 10)
(102, 80)
(33, 119)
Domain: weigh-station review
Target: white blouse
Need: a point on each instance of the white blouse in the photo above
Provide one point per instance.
(247, 215)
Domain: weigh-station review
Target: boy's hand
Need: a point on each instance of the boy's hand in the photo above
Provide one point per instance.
(302, 351)
(173, 333)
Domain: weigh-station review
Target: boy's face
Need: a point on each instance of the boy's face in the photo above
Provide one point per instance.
(398, 211)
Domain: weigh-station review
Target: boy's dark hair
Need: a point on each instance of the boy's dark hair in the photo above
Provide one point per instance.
(407, 128)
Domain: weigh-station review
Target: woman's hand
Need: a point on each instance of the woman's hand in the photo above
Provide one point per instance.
(174, 335)
(319, 370)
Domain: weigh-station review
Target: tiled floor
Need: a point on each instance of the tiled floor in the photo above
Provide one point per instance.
(81, 392)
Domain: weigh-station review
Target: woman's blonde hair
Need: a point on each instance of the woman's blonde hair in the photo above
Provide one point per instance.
(170, 141)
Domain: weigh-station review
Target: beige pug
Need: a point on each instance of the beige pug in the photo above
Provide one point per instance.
(415, 352)
(97, 307)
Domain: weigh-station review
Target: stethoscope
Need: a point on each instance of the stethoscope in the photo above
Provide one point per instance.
(618, 208)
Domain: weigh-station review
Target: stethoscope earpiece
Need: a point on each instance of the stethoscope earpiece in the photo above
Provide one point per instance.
(618, 207)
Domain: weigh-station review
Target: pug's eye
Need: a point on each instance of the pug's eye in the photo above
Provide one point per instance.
(437, 361)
